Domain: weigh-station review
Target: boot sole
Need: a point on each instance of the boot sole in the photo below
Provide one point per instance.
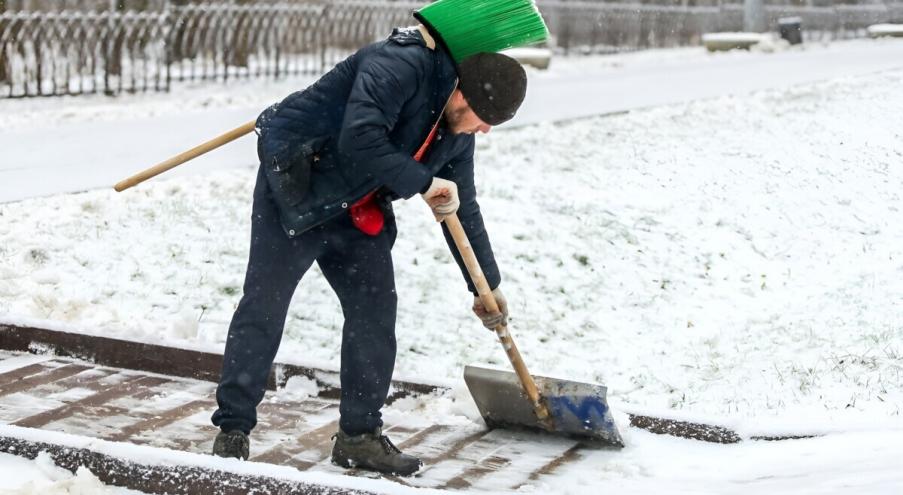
(347, 464)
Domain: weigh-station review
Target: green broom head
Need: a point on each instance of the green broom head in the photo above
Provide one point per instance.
(467, 27)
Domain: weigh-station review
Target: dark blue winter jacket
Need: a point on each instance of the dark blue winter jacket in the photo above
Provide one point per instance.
(356, 130)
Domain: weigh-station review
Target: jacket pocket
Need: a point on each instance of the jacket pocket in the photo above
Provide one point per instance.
(288, 172)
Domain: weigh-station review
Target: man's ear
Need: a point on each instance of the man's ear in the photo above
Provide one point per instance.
(457, 100)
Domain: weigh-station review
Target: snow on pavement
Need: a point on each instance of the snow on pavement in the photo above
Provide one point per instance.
(837, 464)
(842, 463)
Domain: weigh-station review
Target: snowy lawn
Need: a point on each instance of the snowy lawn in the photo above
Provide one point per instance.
(72, 144)
(738, 258)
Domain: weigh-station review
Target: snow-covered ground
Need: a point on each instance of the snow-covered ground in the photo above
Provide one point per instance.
(79, 143)
(737, 259)
(42, 476)
(843, 463)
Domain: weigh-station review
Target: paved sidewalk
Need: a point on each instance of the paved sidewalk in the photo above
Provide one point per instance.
(79, 398)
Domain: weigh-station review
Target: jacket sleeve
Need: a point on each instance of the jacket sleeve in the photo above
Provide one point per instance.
(460, 170)
(385, 81)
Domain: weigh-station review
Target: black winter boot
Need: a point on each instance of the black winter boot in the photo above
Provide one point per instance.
(372, 451)
(233, 444)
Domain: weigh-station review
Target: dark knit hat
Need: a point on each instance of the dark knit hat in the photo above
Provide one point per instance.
(493, 84)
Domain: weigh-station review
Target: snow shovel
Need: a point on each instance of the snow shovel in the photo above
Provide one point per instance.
(505, 399)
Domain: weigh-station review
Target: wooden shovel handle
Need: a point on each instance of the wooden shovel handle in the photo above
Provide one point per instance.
(185, 156)
(485, 293)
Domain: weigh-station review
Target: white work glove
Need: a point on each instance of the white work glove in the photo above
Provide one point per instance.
(442, 198)
(492, 320)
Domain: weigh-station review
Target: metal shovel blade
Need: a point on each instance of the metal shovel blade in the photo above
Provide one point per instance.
(578, 410)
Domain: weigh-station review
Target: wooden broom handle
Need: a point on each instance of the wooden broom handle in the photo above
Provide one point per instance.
(185, 156)
(485, 293)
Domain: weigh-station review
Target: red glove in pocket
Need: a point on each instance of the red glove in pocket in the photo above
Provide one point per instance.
(367, 216)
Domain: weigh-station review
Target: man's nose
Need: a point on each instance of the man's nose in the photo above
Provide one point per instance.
(485, 128)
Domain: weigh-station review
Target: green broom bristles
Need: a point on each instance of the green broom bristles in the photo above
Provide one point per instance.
(472, 26)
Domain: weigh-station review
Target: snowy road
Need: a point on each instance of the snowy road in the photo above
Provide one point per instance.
(73, 144)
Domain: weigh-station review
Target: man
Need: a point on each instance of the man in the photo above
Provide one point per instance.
(333, 158)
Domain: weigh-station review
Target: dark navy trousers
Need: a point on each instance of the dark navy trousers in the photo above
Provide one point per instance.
(359, 269)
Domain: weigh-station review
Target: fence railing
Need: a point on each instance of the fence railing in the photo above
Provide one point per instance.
(222, 42)
(68, 53)
(609, 27)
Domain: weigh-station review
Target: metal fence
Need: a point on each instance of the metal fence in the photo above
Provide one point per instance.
(67, 53)
(605, 27)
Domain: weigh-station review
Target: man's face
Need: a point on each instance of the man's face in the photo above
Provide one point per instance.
(461, 118)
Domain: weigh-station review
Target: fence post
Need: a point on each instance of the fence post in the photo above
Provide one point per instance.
(4, 77)
(39, 57)
(322, 28)
(276, 35)
(241, 37)
(168, 37)
(754, 19)
(564, 31)
(111, 53)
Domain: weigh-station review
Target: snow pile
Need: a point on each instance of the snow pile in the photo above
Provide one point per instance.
(454, 406)
(877, 30)
(298, 388)
(735, 257)
(41, 476)
(735, 37)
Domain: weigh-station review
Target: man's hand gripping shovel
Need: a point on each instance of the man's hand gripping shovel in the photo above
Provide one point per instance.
(573, 409)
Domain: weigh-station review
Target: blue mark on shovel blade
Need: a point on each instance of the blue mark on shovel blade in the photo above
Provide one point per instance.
(581, 414)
